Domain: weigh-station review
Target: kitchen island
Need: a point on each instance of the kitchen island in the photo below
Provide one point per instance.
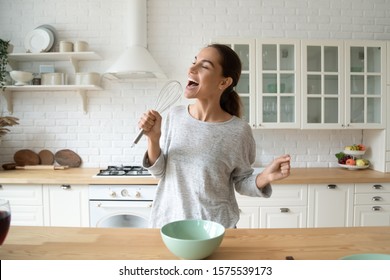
(87, 176)
(72, 243)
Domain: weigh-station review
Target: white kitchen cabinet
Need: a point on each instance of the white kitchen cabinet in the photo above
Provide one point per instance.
(72, 57)
(330, 205)
(278, 83)
(66, 205)
(249, 217)
(372, 204)
(323, 81)
(286, 208)
(365, 85)
(283, 217)
(26, 203)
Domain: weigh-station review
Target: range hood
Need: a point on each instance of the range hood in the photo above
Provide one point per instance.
(135, 62)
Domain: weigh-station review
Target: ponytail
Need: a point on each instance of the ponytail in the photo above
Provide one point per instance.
(231, 102)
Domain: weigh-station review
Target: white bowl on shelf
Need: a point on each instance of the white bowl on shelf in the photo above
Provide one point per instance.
(21, 78)
(354, 153)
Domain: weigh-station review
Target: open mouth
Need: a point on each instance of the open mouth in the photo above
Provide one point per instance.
(192, 83)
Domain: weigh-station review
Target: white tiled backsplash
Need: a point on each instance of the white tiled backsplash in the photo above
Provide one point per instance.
(176, 31)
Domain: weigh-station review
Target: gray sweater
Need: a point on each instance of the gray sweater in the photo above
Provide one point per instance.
(200, 166)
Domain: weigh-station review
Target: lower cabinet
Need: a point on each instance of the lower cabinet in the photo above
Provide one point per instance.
(372, 205)
(26, 204)
(283, 217)
(47, 205)
(285, 208)
(330, 205)
(249, 217)
(66, 205)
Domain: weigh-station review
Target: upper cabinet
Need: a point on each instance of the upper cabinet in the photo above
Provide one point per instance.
(278, 85)
(313, 84)
(343, 84)
(365, 85)
(323, 91)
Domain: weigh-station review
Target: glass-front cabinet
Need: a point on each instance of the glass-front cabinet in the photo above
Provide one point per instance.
(323, 84)
(312, 84)
(278, 84)
(365, 84)
(246, 87)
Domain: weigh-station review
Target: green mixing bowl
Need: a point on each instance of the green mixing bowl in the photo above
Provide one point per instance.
(367, 257)
(192, 239)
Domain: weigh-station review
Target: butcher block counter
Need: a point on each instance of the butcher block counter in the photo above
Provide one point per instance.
(55, 243)
(85, 176)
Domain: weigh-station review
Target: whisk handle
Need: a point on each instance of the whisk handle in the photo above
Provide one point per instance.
(139, 136)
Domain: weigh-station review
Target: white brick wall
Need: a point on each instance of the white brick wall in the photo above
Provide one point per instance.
(177, 29)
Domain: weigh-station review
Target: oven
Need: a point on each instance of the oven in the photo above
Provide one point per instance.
(121, 205)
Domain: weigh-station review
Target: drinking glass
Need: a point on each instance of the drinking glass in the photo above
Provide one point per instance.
(5, 219)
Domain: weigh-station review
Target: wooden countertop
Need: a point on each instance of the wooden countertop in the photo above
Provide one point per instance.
(238, 244)
(85, 176)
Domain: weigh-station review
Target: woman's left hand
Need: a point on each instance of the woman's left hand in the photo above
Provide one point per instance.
(276, 170)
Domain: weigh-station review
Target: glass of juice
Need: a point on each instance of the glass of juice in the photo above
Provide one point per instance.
(5, 219)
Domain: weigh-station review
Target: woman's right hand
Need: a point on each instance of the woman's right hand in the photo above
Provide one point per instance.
(150, 122)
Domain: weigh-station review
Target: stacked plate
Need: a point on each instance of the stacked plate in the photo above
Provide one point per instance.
(41, 39)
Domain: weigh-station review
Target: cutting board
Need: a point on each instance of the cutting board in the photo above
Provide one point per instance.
(26, 157)
(67, 157)
(46, 157)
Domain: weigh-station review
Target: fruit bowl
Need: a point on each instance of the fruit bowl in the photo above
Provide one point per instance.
(21, 78)
(354, 153)
(354, 167)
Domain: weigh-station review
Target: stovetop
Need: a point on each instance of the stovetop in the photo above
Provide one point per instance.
(123, 171)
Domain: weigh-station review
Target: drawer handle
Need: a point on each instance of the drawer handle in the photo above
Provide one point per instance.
(332, 186)
(377, 198)
(376, 208)
(377, 187)
(284, 210)
(66, 187)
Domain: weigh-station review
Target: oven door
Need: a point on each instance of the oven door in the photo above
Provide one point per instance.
(119, 213)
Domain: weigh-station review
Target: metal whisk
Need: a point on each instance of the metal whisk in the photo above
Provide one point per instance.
(168, 95)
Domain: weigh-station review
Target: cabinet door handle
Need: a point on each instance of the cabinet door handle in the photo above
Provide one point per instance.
(377, 198)
(66, 187)
(376, 208)
(284, 210)
(377, 187)
(332, 186)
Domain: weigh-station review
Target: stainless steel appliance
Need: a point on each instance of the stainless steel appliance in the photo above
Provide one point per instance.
(121, 205)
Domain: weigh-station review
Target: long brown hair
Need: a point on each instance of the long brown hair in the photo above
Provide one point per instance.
(231, 67)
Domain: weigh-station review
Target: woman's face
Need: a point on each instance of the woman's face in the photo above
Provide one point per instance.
(205, 75)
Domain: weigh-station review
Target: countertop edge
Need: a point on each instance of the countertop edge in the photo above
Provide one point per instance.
(85, 176)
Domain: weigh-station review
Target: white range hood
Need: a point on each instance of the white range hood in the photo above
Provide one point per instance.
(135, 62)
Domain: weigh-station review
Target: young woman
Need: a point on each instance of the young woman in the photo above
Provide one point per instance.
(206, 150)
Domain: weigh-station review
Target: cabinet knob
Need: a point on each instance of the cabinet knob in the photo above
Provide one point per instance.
(284, 210)
(377, 198)
(66, 187)
(332, 186)
(376, 208)
(377, 187)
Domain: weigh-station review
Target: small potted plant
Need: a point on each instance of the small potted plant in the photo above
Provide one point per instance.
(5, 48)
(7, 121)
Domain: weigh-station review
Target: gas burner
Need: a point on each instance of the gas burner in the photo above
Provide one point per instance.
(124, 171)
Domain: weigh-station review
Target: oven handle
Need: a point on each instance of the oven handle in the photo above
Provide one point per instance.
(103, 205)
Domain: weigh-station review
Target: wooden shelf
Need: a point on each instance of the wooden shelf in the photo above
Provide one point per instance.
(81, 89)
(72, 57)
